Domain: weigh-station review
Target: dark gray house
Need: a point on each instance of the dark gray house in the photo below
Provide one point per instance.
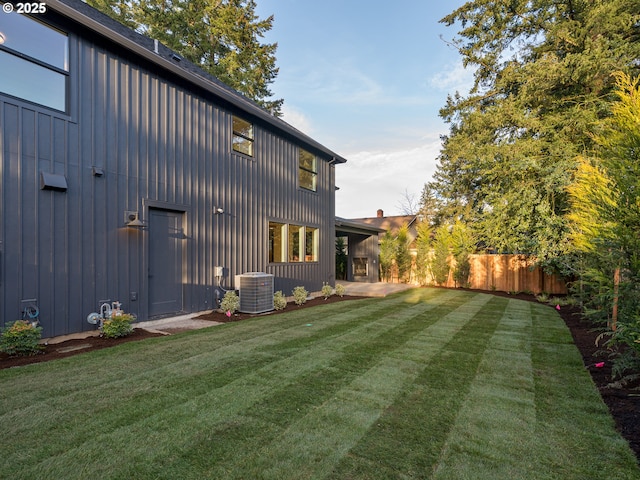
(128, 174)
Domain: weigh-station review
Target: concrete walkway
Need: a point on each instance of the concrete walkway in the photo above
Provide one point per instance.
(172, 324)
(379, 289)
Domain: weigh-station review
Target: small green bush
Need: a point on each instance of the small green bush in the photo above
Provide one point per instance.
(20, 338)
(327, 290)
(542, 297)
(279, 300)
(118, 326)
(230, 303)
(300, 295)
(340, 290)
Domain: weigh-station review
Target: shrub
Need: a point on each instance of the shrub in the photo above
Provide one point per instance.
(300, 295)
(543, 297)
(118, 326)
(462, 270)
(327, 290)
(230, 303)
(340, 289)
(20, 338)
(440, 262)
(279, 300)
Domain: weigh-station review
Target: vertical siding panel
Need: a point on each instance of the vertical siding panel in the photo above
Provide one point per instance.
(59, 277)
(88, 188)
(98, 124)
(77, 178)
(13, 252)
(29, 164)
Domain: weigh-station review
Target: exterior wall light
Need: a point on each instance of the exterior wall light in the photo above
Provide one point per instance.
(132, 220)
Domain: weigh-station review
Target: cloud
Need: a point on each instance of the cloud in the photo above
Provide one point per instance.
(451, 78)
(379, 179)
(335, 82)
(297, 119)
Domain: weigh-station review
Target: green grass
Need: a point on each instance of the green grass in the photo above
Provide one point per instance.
(429, 383)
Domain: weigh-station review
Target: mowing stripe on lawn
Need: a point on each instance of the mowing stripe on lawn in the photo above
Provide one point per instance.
(572, 419)
(492, 435)
(394, 444)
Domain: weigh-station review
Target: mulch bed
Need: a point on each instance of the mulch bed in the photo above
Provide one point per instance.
(623, 400)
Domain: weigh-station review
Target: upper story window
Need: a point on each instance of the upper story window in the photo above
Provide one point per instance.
(37, 56)
(242, 136)
(307, 170)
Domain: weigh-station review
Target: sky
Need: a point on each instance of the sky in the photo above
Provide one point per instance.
(366, 79)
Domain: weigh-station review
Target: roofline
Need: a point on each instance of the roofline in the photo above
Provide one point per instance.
(356, 227)
(227, 94)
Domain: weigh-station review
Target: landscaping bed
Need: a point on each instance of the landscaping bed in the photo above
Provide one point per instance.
(623, 400)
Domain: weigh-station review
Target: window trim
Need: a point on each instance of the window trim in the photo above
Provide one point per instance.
(313, 172)
(245, 139)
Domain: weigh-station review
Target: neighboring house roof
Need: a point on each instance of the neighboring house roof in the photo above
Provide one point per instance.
(391, 224)
(166, 59)
(354, 226)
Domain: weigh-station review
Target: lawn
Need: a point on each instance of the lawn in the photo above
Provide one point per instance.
(429, 383)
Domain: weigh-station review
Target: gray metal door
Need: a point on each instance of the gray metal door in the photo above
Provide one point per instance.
(166, 237)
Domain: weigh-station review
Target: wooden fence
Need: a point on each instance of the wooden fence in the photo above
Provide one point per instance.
(507, 273)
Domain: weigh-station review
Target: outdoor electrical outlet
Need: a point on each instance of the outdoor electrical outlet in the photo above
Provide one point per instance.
(133, 296)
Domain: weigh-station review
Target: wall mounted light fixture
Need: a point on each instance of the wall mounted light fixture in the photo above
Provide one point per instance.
(218, 211)
(132, 220)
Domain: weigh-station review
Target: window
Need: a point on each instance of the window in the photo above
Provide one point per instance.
(292, 243)
(277, 242)
(307, 171)
(242, 136)
(295, 243)
(37, 57)
(311, 244)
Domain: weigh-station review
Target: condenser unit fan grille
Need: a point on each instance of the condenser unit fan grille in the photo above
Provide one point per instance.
(256, 292)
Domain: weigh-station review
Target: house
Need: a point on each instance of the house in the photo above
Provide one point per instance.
(128, 174)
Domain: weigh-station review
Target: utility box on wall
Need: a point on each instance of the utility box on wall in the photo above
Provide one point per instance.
(256, 292)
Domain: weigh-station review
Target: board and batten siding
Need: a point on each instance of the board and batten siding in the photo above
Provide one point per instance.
(159, 145)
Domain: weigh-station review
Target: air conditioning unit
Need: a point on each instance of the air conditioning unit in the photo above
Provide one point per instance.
(256, 292)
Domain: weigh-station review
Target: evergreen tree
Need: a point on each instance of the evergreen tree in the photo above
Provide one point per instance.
(387, 255)
(441, 251)
(423, 257)
(223, 37)
(462, 244)
(542, 83)
(605, 221)
(341, 259)
(402, 253)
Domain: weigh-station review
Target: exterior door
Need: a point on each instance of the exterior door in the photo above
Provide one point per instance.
(166, 237)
